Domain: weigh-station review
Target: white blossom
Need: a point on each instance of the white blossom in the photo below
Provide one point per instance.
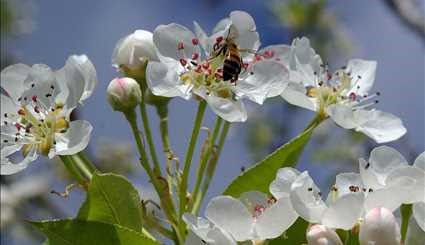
(191, 64)
(322, 235)
(36, 108)
(344, 96)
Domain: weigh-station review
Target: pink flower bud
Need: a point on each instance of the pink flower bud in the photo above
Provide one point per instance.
(379, 227)
(124, 94)
(322, 235)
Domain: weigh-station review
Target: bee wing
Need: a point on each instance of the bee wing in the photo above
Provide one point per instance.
(232, 33)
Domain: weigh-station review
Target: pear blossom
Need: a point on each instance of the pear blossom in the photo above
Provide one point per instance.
(191, 65)
(344, 95)
(253, 216)
(379, 227)
(133, 50)
(124, 94)
(204, 231)
(36, 107)
(322, 235)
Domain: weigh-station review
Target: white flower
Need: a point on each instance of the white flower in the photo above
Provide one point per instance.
(133, 50)
(322, 235)
(344, 96)
(183, 70)
(36, 107)
(124, 94)
(253, 217)
(203, 231)
(379, 227)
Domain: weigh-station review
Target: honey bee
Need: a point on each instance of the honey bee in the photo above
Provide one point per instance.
(233, 62)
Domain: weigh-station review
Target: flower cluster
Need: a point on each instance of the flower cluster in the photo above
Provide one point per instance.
(363, 199)
(36, 106)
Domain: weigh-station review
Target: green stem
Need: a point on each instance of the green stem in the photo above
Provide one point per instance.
(76, 171)
(86, 161)
(211, 167)
(203, 164)
(406, 212)
(189, 155)
(162, 111)
(152, 151)
(163, 194)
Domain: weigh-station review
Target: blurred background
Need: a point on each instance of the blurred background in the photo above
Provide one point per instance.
(389, 31)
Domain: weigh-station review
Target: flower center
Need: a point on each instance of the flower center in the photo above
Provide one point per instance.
(36, 123)
(339, 88)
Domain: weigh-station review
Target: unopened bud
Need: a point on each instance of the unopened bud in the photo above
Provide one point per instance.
(320, 235)
(379, 227)
(124, 94)
(134, 50)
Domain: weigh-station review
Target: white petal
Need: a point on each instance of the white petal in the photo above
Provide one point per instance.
(276, 219)
(342, 115)
(380, 126)
(420, 161)
(83, 65)
(251, 199)
(268, 79)
(12, 79)
(7, 106)
(281, 53)
(295, 94)
(228, 109)
(344, 212)
(74, 140)
(347, 183)
(8, 168)
(167, 38)
(242, 20)
(379, 227)
(364, 70)
(306, 199)
(382, 161)
(221, 25)
(322, 235)
(419, 214)
(247, 38)
(306, 62)
(388, 198)
(163, 80)
(281, 185)
(231, 215)
(409, 182)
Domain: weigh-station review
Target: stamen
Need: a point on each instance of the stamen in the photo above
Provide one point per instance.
(180, 46)
(219, 39)
(195, 41)
(34, 98)
(195, 56)
(183, 62)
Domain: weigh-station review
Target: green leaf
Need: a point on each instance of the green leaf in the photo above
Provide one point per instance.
(79, 232)
(296, 234)
(259, 177)
(112, 199)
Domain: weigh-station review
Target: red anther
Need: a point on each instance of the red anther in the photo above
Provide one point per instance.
(18, 126)
(21, 112)
(268, 54)
(352, 96)
(183, 62)
(195, 41)
(206, 65)
(329, 76)
(198, 69)
(219, 70)
(195, 56)
(34, 98)
(271, 200)
(257, 57)
(208, 71)
(245, 65)
(180, 46)
(258, 209)
(36, 109)
(219, 39)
